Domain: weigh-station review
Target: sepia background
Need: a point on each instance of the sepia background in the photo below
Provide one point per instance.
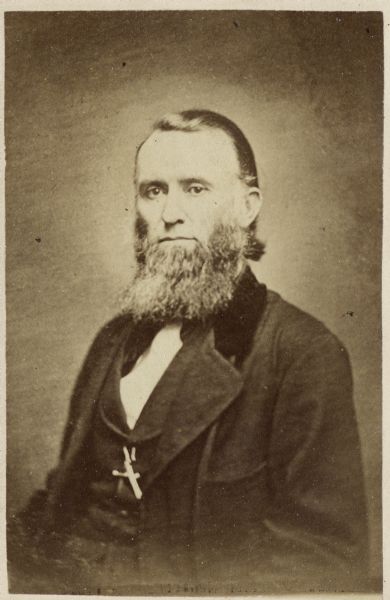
(82, 89)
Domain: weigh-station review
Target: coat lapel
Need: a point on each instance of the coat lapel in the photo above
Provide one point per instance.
(202, 379)
(203, 384)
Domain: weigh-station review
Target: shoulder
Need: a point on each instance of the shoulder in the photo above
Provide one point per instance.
(291, 321)
(105, 338)
(112, 328)
(296, 335)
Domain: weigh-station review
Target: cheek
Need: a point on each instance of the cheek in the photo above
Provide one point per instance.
(149, 211)
(212, 212)
(202, 218)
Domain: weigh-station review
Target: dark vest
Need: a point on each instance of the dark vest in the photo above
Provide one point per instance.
(112, 511)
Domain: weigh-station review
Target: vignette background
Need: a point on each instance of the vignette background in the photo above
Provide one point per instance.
(82, 89)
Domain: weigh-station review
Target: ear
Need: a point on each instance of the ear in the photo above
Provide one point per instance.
(250, 205)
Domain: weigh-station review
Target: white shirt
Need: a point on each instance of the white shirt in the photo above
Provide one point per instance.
(137, 386)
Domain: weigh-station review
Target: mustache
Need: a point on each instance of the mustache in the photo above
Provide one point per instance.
(142, 244)
(142, 228)
(169, 238)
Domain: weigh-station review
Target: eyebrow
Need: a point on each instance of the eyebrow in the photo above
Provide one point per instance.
(200, 180)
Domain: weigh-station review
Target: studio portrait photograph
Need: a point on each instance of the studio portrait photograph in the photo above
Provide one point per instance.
(193, 222)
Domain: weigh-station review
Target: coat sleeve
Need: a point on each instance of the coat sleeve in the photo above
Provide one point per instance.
(316, 527)
(31, 536)
(32, 516)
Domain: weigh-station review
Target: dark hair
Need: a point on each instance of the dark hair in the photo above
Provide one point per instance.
(197, 120)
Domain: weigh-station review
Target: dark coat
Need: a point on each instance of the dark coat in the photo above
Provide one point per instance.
(259, 460)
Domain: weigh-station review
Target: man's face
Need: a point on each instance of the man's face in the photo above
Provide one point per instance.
(193, 211)
(187, 183)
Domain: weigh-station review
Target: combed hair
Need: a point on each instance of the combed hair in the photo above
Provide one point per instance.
(198, 120)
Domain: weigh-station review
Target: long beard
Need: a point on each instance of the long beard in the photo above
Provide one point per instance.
(175, 282)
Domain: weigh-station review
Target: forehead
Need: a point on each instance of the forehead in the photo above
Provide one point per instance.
(209, 153)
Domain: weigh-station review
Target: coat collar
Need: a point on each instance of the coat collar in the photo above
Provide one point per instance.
(236, 325)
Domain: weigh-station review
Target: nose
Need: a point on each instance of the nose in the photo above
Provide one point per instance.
(172, 212)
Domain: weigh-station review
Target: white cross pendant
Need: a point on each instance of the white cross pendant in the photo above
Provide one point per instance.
(129, 472)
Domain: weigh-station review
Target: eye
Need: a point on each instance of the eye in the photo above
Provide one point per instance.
(196, 189)
(153, 192)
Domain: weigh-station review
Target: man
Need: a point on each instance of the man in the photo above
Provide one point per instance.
(211, 444)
